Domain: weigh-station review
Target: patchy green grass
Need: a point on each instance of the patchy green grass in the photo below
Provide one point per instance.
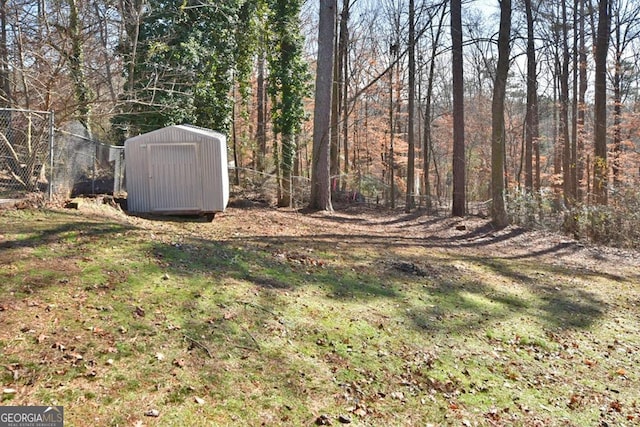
(232, 323)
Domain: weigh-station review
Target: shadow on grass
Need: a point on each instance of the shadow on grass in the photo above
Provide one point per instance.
(460, 307)
(460, 302)
(56, 228)
(269, 269)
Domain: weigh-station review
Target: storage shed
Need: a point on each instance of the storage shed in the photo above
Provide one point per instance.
(177, 170)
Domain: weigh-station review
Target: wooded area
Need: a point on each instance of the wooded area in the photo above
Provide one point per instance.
(549, 116)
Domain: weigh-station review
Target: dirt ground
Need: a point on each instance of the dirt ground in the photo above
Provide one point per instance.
(472, 235)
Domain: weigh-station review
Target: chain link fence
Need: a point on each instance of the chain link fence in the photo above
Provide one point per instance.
(83, 166)
(35, 157)
(26, 138)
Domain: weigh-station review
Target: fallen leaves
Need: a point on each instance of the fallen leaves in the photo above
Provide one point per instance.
(298, 258)
(616, 406)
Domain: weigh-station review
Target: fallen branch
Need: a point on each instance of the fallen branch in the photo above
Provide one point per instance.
(259, 307)
(198, 344)
(252, 337)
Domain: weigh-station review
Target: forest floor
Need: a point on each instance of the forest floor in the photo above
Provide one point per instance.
(280, 317)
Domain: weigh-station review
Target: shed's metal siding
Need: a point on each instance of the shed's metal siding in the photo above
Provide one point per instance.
(178, 169)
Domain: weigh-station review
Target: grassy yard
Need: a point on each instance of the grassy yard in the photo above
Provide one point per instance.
(273, 317)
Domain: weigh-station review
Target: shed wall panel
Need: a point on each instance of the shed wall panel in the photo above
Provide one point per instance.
(174, 177)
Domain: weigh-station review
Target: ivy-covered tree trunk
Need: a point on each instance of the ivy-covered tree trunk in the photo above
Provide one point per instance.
(261, 128)
(288, 84)
(76, 66)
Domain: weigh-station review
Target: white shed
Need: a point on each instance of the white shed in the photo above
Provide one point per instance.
(177, 170)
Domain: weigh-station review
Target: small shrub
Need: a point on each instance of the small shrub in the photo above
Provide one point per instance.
(615, 224)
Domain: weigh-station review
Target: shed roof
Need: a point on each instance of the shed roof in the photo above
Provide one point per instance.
(190, 129)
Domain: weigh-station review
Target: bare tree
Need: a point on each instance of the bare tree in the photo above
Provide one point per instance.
(626, 29)
(428, 112)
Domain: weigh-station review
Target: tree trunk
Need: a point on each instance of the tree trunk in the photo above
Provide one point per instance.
(601, 169)
(5, 82)
(343, 46)
(531, 125)
(234, 137)
(459, 196)
(557, 147)
(336, 102)
(427, 143)
(288, 158)
(569, 197)
(320, 179)
(76, 65)
(390, 156)
(498, 211)
(582, 91)
(261, 133)
(617, 103)
(410, 202)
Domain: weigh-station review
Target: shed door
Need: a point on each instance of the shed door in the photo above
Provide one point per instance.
(175, 177)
